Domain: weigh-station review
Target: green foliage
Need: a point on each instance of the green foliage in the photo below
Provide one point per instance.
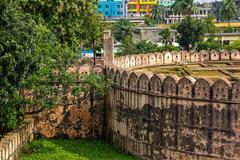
(72, 149)
(165, 35)
(17, 60)
(208, 45)
(149, 21)
(143, 47)
(40, 41)
(190, 32)
(122, 30)
(157, 13)
(185, 7)
(229, 29)
(208, 24)
(229, 10)
(99, 82)
(233, 45)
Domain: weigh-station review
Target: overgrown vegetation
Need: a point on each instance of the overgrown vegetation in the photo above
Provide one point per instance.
(190, 32)
(40, 40)
(72, 150)
(143, 47)
(122, 30)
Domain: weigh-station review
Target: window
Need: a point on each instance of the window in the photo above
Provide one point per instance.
(226, 42)
(99, 6)
(106, 6)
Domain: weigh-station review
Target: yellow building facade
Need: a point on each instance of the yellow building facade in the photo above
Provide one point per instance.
(141, 7)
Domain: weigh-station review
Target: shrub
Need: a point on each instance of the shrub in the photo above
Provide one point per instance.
(208, 45)
(143, 47)
(234, 45)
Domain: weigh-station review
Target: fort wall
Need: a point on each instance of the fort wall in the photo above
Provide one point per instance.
(183, 57)
(155, 116)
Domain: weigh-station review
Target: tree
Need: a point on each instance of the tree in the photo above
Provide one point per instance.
(93, 34)
(233, 45)
(40, 42)
(229, 10)
(122, 29)
(165, 35)
(185, 7)
(210, 44)
(177, 8)
(190, 32)
(149, 21)
(17, 61)
(143, 47)
(208, 25)
(73, 24)
(158, 13)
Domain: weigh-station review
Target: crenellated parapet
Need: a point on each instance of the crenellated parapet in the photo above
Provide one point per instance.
(166, 58)
(185, 87)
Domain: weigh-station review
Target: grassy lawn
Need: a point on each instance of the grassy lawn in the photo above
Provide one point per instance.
(72, 150)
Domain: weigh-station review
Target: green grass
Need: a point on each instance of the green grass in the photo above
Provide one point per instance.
(72, 150)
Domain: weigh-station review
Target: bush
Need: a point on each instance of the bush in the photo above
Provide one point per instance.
(148, 21)
(143, 47)
(228, 30)
(208, 45)
(234, 45)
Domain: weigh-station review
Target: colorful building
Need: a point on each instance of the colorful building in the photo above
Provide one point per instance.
(140, 7)
(110, 8)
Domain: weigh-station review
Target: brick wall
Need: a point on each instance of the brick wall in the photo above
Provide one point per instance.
(12, 143)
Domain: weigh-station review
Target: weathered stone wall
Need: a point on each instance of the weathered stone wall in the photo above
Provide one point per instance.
(166, 58)
(167, 117)
(73, 120)
(151, 34)
(11, 144)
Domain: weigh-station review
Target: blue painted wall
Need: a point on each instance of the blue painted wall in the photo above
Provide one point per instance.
(110, 8)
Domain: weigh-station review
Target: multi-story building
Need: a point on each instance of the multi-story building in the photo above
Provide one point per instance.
(202, 12)
(166, 3)
(140, 7)
(110, 8)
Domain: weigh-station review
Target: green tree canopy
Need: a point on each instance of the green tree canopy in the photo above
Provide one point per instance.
(190, 32)
(165, 35)
(208, 24)
(122, 30)
(185, 7)
(158, 13)
(229, 10)
(40, 41)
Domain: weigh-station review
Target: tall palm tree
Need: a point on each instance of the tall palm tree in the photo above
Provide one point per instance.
(229, 10)
(184, 7)
(158, 13)
(195, 10)
(177, 8)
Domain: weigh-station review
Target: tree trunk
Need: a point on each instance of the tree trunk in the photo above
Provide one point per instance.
(94, 57)
(94, 52)
(166, 43)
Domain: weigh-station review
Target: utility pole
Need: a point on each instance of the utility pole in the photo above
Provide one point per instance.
(125, 8)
